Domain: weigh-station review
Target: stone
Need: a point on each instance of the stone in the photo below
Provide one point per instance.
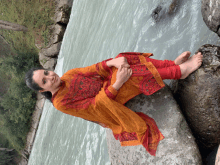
(52, 50)
(177, 147)
(23, 162)
(199, 97)
(64, 2)
(30, 139)
(167, 9)
(62, 15)
(211, 14)
(47, 63)
(58, 32)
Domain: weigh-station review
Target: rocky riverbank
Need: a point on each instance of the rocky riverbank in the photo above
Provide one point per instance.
(47, 58)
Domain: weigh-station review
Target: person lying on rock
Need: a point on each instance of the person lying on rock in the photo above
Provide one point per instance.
(98, 92)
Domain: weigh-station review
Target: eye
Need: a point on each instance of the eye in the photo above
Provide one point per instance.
(44, 81)
(46, 72)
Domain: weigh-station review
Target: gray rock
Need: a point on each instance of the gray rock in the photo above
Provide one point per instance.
(199, 97)
(211, 14)
(51, 51)
(62, 2)
(58, 32)
(48, 56)
(47, 62)
(62, 15)
(167, 9)
(178, 146)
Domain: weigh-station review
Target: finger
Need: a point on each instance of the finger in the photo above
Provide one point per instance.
(131, 71)
(127, 65)
(120, 68)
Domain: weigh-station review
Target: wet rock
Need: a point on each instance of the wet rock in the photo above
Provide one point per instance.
(166, 10)
(174, 6)
(156, 13)
(178, 145)
(211, 14)
(199, 98)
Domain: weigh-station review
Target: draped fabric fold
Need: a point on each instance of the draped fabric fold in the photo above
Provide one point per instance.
(88, 93)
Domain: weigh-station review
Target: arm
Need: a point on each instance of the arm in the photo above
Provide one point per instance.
(122, 76)
(101, 68)
(117, 62)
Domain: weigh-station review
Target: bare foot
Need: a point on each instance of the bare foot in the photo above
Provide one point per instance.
(191, 65)
(182, 58)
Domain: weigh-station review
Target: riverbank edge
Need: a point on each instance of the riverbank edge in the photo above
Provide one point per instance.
(35, 119)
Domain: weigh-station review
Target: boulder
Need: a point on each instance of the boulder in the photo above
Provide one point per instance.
(47, 62)
(199, 98)
(211, 14)
(52, 50)
(167, 9)
(62, 15)
(58, 32)
(64, 2)
(177, 147)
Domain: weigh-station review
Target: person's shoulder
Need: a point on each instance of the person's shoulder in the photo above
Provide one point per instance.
(71, 72)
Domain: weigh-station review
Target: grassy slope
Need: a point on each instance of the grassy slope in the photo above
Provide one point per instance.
(36, 16)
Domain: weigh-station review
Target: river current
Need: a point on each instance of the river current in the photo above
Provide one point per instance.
(98, 30)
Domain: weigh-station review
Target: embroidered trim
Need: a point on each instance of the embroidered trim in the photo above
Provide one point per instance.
(109, 94)
(153, 70)
(126, 136)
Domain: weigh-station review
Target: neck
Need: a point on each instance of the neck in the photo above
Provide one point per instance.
(54, 91)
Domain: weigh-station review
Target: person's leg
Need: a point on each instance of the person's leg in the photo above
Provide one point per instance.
(166, 63)
(172, 72)
(183, 70)
(161, 63)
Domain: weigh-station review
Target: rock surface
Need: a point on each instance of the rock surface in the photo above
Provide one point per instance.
(178, 146)
(62, 15)
(199, 97)
(211, 14)
(167, 9)
(48, 55)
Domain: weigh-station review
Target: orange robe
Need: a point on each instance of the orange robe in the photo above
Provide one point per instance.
(88, 93)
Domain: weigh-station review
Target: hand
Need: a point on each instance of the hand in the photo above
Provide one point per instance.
(123, 74)
(117, 62)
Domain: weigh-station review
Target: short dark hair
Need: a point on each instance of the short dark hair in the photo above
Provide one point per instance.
(33, 85)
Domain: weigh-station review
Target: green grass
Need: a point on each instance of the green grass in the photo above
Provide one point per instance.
(36, 15)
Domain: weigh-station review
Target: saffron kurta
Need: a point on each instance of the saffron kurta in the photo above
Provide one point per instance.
(88, 93)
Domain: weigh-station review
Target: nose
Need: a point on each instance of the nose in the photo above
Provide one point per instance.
(51, 78)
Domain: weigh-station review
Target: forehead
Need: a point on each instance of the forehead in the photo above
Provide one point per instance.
(38, 76)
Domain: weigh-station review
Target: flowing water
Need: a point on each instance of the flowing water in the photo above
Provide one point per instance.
(100, 29)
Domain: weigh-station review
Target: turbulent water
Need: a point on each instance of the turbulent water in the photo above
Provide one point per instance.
(100, 29)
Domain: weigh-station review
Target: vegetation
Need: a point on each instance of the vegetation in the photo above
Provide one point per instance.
(16, 100)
